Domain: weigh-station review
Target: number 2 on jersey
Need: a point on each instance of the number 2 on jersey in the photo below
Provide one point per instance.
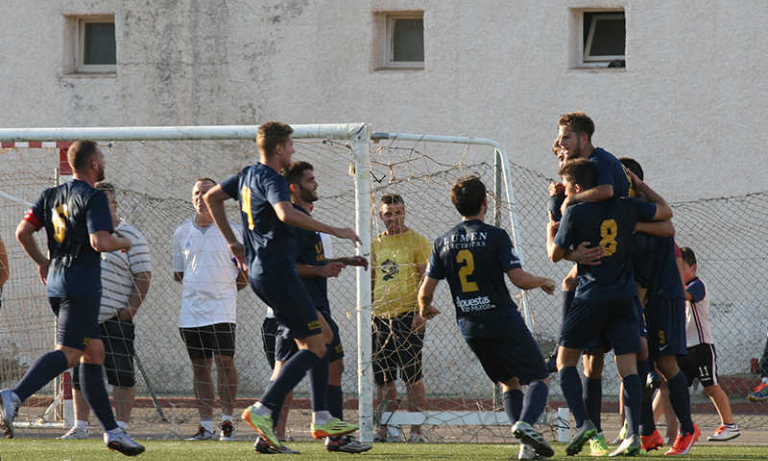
(59, 224)
(608, 233)
(465, 256)
(245, 198)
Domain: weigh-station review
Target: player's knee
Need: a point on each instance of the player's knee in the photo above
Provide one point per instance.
(511, 384)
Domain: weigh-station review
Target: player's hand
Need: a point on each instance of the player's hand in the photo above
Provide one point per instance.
(125, 314)
(565, 205)
(42, 271)
(635, 180)
(587, 256)
(238, 251)
(347, 233)
(419, 324)
(556, 188)
(428, 312)
(549, 286)
(357, 260)
(331, 269)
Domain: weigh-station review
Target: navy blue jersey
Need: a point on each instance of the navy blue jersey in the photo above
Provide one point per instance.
(70, 213)
(610, 171)
(666, 281)
(269, 243)
(474, 257)
(310, 252)
(611, 224)
(642, 258)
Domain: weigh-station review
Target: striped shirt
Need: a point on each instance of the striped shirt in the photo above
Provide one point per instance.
(118, 270)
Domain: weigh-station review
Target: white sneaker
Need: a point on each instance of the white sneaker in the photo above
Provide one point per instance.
(75, 433)
(9, 405)
(527, 452)
(119, 440)
(724, 433)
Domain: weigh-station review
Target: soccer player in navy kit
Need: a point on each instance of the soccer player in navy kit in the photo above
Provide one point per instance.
(474, 257)
(78, 225)
(603, 308)
(314, 269)
(270, 249)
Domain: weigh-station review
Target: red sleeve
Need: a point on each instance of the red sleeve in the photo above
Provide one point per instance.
(32, 218)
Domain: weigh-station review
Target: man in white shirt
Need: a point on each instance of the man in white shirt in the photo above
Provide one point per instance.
(125, 279)
(203, 264)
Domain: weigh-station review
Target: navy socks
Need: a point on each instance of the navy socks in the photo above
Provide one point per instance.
(95, 392)
(571, 386)
(513, 404)
(45, 368)
(292, 373)
(534, 402)
(593, 400)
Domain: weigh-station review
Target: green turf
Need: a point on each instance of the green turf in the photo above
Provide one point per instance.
(93, 450)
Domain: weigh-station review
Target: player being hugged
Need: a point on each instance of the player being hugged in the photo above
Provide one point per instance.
(270, 249)
(474, 257)
(78, 225)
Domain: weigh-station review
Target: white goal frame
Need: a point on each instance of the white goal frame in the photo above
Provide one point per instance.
(358, 137)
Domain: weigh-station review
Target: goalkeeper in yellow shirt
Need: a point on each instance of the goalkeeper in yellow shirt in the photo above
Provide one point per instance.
(400, 257)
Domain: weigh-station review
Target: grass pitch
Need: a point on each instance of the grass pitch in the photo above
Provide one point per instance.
(94, 450)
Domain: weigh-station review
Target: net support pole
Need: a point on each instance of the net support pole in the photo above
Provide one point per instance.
(360, 147)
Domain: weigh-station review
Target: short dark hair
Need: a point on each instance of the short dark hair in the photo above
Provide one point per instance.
(467, 195)
(579, 122)
(580, 171)
(106, 187)
(205, 179)
(633, 166)
(270, 135)
(689, 257)
(80, 153)
(295, 172)
(392, 199)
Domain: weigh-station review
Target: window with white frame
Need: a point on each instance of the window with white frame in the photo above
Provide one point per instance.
(404, 41)
(96, 47)
(603, 39)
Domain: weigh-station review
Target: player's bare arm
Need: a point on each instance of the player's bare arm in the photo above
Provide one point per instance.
(419, 323)
(4, 267)
(105, 242)
(357, 261)
(426, 293)
(585, 255)
(554, 252)
(331, 269)
(663, 210)
(288, 214)
(657, 228)
(24, 234)
(528, 281)
(214, 200)
(242, 280)
(141, 281)
(595, 194)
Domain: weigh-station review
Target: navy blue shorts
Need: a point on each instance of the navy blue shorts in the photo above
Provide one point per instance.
(665, 318)
(592, 324)
(285, 347)
(640, 317)
(118, 337)
(268, 338)
(514, 356)
(78, 320)
(294, 308)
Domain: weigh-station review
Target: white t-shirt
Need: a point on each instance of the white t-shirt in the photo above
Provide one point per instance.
(118, 269)
(210, 292)
(698, 328)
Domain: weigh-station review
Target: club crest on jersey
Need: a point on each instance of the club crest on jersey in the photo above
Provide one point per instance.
(478, 304)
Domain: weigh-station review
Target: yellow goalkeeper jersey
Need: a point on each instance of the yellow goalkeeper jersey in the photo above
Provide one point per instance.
(396, 273)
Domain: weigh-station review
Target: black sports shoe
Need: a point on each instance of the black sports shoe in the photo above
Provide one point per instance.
(346, 444)
(582, 436)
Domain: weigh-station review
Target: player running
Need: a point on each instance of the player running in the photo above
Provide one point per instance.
(270, 251)
(473, 257)
(78, 225)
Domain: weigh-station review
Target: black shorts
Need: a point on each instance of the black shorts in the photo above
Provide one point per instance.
(665, 320)
(118, 338)
(78, 320)
(294, 308)
(396, 347)
(592, 324)
(209, 340)
(285, 347)
(268, 334)
(701, 363)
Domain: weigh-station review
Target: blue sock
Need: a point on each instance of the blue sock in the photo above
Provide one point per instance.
(593, 400)
(534, 402)
(335, 399)
(318, 383)
(633, 397)
(681, 401)
(45, 368)
(277, 409)
(571, 386)
(567, 300)
(95, 392)
(647, 424)
(513, 404)
(292, 373)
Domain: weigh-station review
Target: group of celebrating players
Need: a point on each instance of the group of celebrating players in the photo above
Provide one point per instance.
(625, 292)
